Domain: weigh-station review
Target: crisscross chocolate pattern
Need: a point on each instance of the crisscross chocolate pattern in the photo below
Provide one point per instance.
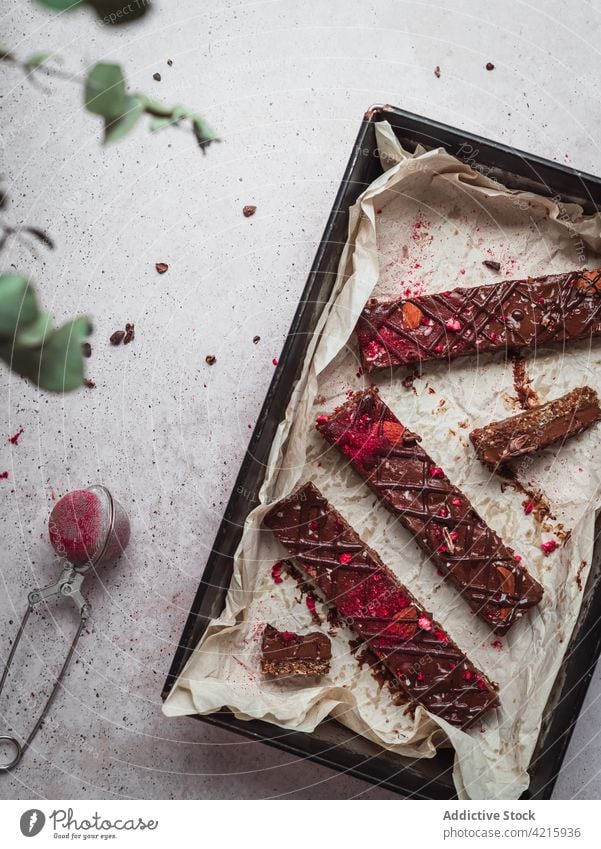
(513, 314)
(427, 664)
(487, 574)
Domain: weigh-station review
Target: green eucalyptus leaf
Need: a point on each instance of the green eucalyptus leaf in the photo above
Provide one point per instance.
(157, 124)
(34, 333)
(18, 304)
(117, 128)
(119, 12)
(57, 364)
(37, 60)
(203, 133)
(180, 112)
(105, 91)
(61, 5)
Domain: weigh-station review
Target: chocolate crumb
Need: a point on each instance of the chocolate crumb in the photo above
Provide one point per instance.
(525, 395)
(491, 263)
(117, 337)
(248, 210)
(89, 383)
(157, 77)
(161, 267)
(490, 66)
(437, 72)
(170, 62)
(210, 360)
(86, 349)
(408, 381)
(256, 339)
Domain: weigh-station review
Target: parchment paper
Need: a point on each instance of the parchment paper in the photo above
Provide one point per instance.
(425, 225)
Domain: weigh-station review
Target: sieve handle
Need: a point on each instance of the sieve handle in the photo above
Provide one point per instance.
(62, 587)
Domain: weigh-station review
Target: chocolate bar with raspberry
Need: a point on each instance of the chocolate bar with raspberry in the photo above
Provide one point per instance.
(514, 314)
(287, 653)
(429, 668)
(499, 442)
(487, 574)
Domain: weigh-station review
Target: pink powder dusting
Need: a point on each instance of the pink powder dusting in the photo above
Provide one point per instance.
(14, 439)
(75, 525)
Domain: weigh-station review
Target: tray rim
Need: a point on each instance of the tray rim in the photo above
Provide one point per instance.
(585, 641)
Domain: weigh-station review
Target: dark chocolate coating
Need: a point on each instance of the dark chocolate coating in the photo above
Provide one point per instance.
(514, 314)
(537, 428)
(411, 485)
(278, 646)
(427, 664)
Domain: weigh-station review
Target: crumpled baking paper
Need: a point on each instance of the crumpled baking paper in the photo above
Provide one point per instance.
(425, 225)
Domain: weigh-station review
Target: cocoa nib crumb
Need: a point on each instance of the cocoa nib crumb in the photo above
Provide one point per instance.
(210, 360)
(89, 383)
(161, 267)
(248, 210)
(256, 339)
(117, 337)
(86, 349)
(492, 263)
(129, 334)
(157, 77)
(170, 62)
(490, 66)
(437, 72)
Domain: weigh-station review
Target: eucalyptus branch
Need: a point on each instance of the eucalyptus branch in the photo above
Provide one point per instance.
(105, 94)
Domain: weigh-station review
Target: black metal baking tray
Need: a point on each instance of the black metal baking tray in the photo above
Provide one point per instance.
(331, 744)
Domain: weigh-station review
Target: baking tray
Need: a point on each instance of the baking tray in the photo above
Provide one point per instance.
(331, 744)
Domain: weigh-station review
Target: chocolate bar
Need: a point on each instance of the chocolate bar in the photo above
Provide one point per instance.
(513, 314)
(409, 483)
(537, 428)
(286, 653)
(370, 599)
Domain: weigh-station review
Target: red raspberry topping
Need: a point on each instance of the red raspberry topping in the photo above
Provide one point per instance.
(548, 547)
(276, 572)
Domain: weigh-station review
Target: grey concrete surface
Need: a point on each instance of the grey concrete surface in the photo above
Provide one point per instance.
(285, 84)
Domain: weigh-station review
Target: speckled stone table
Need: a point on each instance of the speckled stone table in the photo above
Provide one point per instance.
(285, 84)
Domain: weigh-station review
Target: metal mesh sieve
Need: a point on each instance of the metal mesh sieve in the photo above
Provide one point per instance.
(88, 527)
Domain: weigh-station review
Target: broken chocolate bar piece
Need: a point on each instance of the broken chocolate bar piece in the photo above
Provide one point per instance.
(516, 314)
(537, 428)
(370, 599)
(487, 574)
(286, 653)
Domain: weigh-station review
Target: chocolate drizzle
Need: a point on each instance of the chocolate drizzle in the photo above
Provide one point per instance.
(388, 456)
(514, 314)
(425, 662)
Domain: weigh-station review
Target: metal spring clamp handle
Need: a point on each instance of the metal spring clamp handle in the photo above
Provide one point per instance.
(106, 535)
(69, 585)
